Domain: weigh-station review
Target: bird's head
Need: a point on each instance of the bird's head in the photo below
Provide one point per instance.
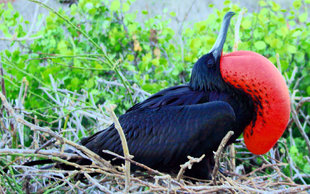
(256, 76)
(206, 71)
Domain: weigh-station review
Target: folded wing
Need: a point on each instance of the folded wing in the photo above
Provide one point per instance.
(163, 137)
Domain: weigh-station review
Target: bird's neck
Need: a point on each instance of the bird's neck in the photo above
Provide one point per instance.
(207, 78)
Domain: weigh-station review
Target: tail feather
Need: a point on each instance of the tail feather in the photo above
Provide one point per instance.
(39, 162)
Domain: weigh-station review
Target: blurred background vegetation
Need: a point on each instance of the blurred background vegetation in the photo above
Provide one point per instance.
(148, 55)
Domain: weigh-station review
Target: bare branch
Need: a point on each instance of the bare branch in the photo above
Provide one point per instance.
(300, 128)
(47, 130)
(218, 154)
(237, 28)
(124, 145)
(188, 164)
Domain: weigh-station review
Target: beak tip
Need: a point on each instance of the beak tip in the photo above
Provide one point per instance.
(219, 43)
(229, 14)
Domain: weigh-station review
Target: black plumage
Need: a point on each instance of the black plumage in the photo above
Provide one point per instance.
(181, 121)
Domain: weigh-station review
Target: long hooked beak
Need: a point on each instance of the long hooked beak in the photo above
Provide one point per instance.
(219, 44)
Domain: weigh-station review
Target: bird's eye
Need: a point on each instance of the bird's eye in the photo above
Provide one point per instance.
(210, 63)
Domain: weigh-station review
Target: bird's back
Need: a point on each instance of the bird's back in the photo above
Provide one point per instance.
(176, 122)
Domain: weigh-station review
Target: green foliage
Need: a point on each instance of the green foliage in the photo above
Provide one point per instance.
(148, 54)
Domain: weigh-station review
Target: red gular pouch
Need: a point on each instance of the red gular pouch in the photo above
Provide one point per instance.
(258, 77)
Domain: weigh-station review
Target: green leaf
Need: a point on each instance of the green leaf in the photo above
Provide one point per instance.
(275, 6)
(155, 62)
(291, 49)
(308, 90)
(246, 24)
(262, 3)
(303, 17)
(260, 45)
(75, 82)
(89, 83)
(227, 2)
(195, 44)
(74, 9)
(172, 14)
(297, 4)
(125, 7)
(115, 5)
(7, 53)
(130, 57)
(283, 31)
(276, 43)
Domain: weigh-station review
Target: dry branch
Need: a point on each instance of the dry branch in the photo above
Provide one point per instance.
(237, 29)
(41, 152)
(124, 146)
(218, 154)
(96, 183)
(188, 165)
(300, 128)
(94, 157)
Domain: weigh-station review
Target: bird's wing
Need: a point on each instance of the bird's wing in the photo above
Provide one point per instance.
(172, 96)
(166, 135)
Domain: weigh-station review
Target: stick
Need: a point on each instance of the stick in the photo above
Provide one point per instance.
(188, 165)
(96, 183)
(218, 154)
(237, 28)
(300, 128)
(124, 145)
(92, 156)
(42, 152)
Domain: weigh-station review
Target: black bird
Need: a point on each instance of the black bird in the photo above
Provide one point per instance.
(241, 91)
(185, 120)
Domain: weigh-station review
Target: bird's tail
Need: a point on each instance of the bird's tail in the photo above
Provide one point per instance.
(41, 162)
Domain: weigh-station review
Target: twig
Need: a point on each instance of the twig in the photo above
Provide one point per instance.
(301, 102)
(49, 142)
(278, 62)
(300, 128)
(223, 187)
(2, 80)
(41, 152)
(232, 154)
(185, 16)
(21, 39)
(124, 145)
(237, 28)
(134, 162)
(3, 92)
(263, 167)
(93, 156)
(156, 172)
(95, 182)
(297, 189)
(12, 130)
(218, 154)
(115, 83)
(188, 164)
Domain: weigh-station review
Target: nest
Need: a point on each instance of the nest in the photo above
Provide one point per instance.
(240, 172)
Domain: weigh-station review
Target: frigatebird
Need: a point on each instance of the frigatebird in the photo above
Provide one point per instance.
(241, 91)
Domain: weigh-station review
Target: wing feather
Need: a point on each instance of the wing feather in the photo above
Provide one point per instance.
(167, 135)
